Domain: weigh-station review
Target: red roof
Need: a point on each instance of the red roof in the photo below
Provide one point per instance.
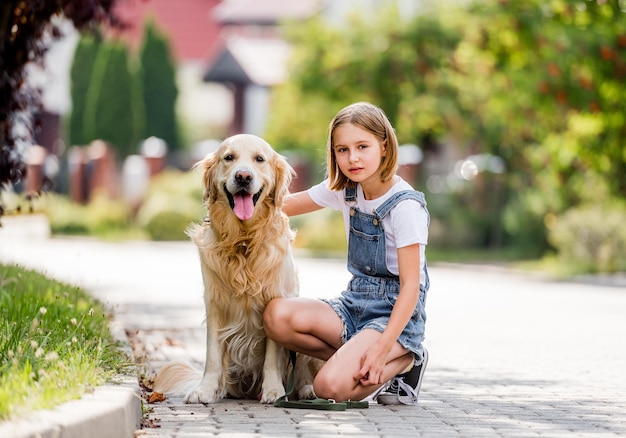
(189, 24)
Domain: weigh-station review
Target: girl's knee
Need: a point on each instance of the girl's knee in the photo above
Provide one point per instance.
(274, 317)
(327, 385)
(323, 387)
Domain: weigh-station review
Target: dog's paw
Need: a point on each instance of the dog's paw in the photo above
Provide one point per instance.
(203, 395)
(270, 395)
(306, 393)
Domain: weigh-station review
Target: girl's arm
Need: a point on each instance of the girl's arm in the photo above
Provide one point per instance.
(299, 203)
(375, 358)
(409, 272)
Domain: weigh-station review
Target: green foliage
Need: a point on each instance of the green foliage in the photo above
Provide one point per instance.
(557, 72)
(524, 218)
(455, 223)
(80, 78)
(111, 113)
(168, 225)
(591, 237)
(120, 99)
(54, 343)
(173, 202)
(320, 232)
(299, 122)
(539, 84)
(102, 217)
(158, 79)
(395, 63)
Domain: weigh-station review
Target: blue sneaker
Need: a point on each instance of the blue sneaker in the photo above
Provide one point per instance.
(404, 388)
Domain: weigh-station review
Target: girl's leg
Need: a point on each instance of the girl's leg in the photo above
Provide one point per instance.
(304, 325)
(336, 378)
(312, 327)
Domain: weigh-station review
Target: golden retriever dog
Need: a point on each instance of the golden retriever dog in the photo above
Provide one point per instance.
(245, 257)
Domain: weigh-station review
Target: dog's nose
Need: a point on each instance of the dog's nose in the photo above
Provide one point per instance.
(243, 177)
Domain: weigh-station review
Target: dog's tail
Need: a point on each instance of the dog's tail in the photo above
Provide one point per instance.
(177, 377)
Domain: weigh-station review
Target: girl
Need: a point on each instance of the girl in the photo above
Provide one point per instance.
(374, 330)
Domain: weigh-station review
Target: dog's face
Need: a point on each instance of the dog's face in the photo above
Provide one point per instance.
(246, 172)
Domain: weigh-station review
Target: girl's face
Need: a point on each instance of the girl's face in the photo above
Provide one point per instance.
(358, 153)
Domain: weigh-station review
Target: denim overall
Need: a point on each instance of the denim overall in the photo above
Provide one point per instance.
(373, 290)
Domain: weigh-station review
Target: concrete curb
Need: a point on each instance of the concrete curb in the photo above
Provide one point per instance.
(110, 411)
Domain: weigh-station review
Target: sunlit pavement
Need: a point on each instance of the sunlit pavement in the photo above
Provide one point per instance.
(511, 354)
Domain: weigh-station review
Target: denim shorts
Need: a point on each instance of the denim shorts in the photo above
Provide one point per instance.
(367, 304)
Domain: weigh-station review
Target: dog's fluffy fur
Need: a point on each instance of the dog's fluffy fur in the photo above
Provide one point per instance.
(245, 256)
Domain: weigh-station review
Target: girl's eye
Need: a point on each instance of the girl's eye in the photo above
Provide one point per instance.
(341, 150)
(362, 146)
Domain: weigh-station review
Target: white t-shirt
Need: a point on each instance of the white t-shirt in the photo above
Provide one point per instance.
(405, 224)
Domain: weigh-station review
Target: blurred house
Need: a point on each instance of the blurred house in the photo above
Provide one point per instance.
(253, 55)
(229, 54)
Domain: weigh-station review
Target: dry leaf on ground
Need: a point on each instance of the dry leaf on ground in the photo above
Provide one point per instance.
(156, 397)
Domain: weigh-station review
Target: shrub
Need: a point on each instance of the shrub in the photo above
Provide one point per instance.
(105, 215)
(177, 183)
(320, 232)
(524, 223)
(101, 217)
(168, 225)
(591, 238)
(174, 200)
(65, 216)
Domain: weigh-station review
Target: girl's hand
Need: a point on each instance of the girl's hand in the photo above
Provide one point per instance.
(373, 364)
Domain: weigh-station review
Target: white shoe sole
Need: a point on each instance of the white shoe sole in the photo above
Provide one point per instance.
(396, 399)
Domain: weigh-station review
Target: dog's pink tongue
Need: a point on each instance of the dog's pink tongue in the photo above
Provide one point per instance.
(244, 207)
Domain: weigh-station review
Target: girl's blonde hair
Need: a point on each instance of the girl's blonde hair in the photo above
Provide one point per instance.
(371, 119)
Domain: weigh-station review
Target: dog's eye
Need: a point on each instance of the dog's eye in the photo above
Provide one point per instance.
(260, 159)
(229, 157)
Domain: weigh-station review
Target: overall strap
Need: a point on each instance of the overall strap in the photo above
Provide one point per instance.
(350, 194)
(382, 211)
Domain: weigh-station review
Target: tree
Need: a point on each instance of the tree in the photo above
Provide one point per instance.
(540, 84)
(110, 110)
(402, 69)
(158, 79)
(26, 31)
(80, 74)
(555, 104)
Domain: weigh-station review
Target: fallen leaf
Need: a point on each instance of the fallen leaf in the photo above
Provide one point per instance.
(156, 397)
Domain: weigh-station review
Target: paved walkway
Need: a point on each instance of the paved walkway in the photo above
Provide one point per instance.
(510, 354)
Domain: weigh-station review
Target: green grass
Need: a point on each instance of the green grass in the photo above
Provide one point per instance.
(55, 343)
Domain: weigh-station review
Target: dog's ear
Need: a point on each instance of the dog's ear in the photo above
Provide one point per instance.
(284, 175)
(208, 168)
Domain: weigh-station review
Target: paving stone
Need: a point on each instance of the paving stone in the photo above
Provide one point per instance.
(508, 354)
